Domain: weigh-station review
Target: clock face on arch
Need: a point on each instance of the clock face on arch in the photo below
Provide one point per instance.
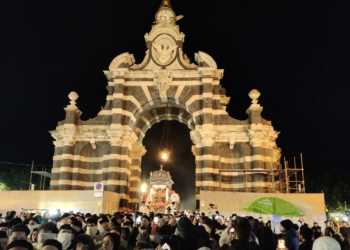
(165, 16)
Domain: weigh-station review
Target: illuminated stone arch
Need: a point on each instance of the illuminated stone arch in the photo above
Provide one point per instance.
(164, 86)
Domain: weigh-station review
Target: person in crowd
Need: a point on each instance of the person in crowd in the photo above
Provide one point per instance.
(343, 245)
(124, 237)
(19, 232)
(305, 238)
(345, 223)
(344, 231)
(64, 220)
(66, 237)
(84, 242)
(133, 238)
(326, 243)
(111, 241)
(45, 232)
(4, 227)
(19, 245)
(34, 236)
(243, 241)
(189, 236)
(103, 228)
(266, 238)
(52, 244)
(114, 223)
(328, 229)
(116, 230)
(316, 229)
(289, 235)
(4, 239)
(78, 227)
(143, 208)
(91, 227)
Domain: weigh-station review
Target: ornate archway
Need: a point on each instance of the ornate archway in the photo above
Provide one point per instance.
(164, 86)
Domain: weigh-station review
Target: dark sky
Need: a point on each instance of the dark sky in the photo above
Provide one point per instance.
(296, 53)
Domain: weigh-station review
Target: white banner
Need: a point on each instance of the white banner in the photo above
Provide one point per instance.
(98, 189)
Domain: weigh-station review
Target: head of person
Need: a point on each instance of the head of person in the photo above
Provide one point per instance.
(104, 223)
(286, 225)
(49, 227)
(66, 229)
(113, 223)
(119, 220)
(19, 245)
(326, 243)
(305, 234)
(116, 230)
(34, 236)
(125, 233)
(315, 224)
(145, 221)
(19, 232)
(184, 226)
(4, 240)
(14, 222)
(243, 230)
(111, 241)
(77, 226)
(33, 221)
(84, 242)
(166, 217)
(295, 227)
(71, 220)
(52, 245)
(345, 223)
(4, 227)
(64, 218)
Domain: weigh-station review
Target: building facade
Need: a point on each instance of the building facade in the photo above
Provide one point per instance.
(231, 155)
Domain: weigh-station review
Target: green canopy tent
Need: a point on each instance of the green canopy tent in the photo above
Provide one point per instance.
(273, 205)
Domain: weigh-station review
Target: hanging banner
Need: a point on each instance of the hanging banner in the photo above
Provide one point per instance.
(98, 189)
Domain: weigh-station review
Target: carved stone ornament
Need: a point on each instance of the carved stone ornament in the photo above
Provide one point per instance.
(163, 80)
(164, 49)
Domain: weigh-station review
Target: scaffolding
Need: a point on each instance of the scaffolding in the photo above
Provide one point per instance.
(283, 179)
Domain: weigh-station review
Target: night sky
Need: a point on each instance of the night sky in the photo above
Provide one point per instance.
(296, 53)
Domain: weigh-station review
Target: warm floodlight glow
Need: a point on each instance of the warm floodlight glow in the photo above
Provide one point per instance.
(144, 188)
(164, 155)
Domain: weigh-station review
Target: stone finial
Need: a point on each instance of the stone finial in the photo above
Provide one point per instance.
(254, 95)
(73, 96)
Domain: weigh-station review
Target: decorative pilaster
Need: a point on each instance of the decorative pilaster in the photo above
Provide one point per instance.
(136, 154)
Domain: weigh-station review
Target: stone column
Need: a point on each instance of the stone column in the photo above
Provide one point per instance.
(204, 140)
(68, 134)
(136, 154)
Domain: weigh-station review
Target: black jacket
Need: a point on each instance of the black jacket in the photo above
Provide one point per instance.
(306, 245)
(197, 238)
(291, 238)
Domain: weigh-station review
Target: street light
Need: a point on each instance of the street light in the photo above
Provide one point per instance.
(144, 188)
(164, 154)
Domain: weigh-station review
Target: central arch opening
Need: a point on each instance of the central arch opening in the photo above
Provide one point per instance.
(181, 163)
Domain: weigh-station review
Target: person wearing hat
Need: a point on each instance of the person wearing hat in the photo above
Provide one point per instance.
(4, 227)
(4, 239)
(66, 236)
(289, 235)
(52, 245)
(19, 245)
(19, 232)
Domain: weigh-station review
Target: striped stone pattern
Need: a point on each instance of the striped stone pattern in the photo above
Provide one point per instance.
(108, 148)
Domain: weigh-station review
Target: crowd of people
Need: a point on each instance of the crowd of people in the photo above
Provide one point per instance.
(179, 231)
